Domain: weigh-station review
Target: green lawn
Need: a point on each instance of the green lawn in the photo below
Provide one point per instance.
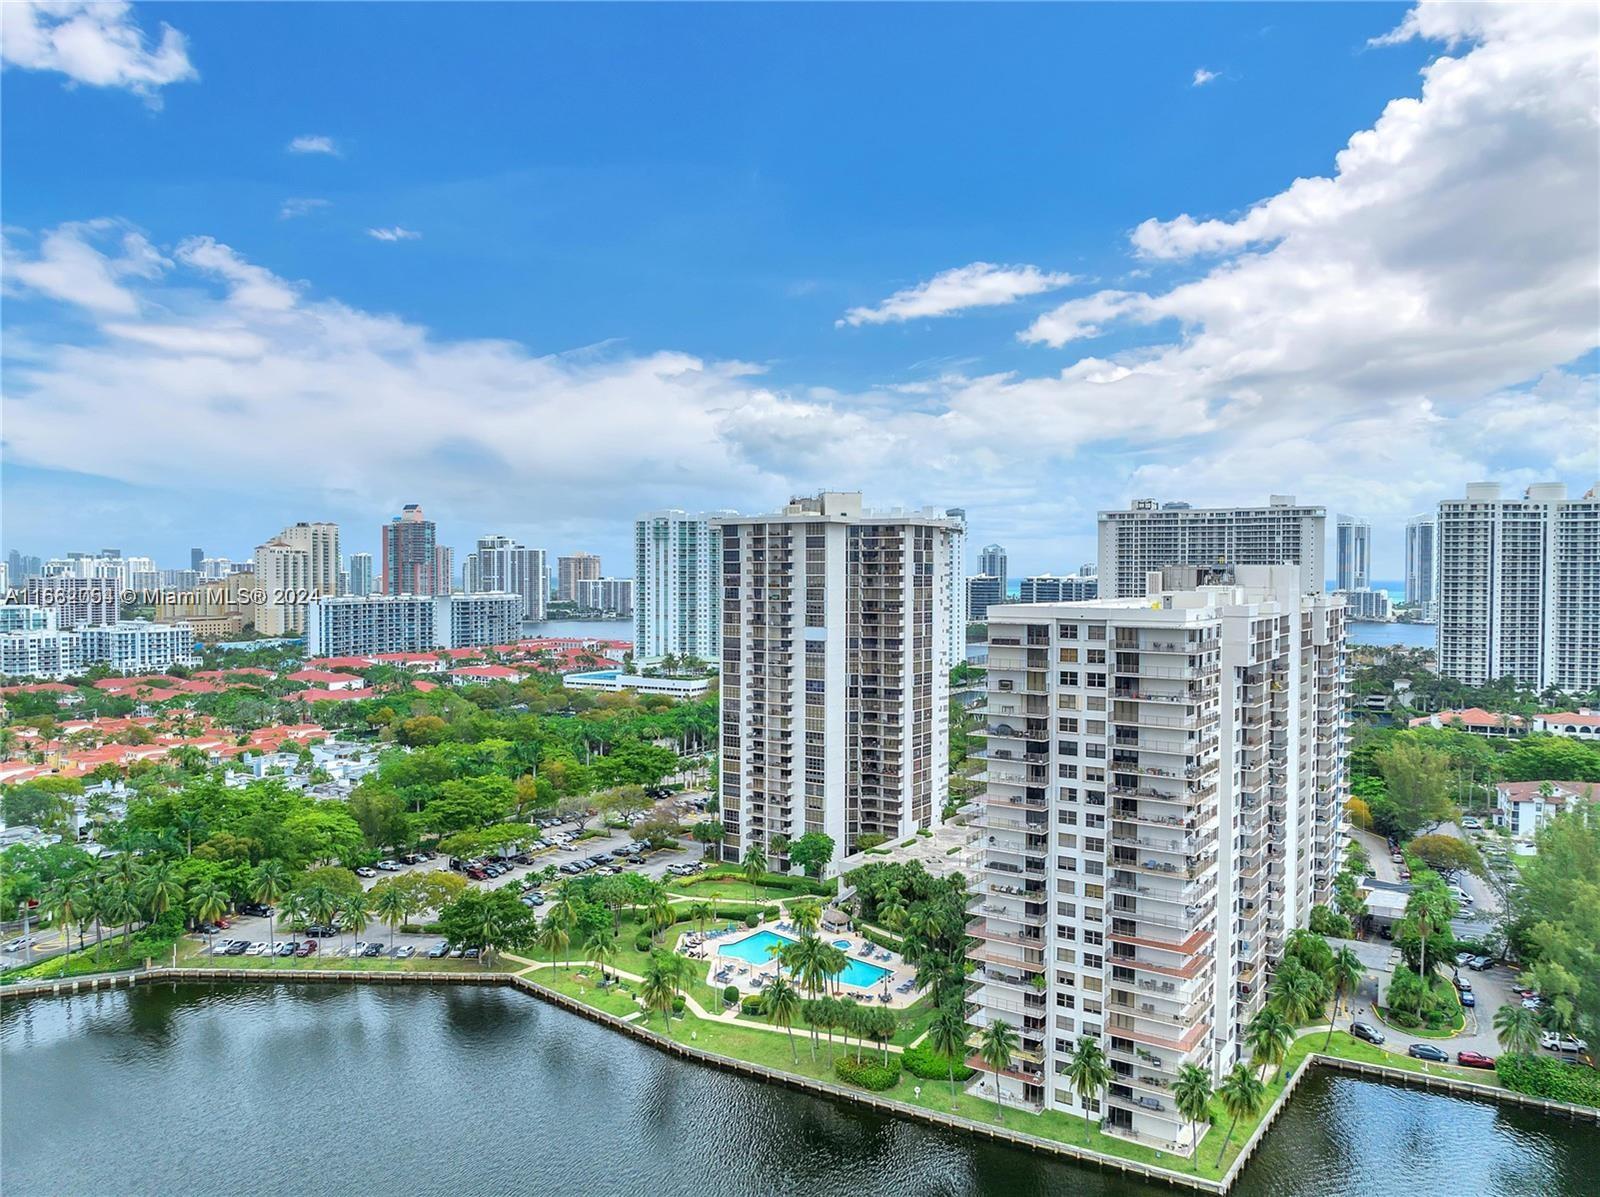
(580, 984)
(731, 888)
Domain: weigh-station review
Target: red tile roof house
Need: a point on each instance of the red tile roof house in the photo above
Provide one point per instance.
(1523, 806)
(1477, 721)
(1582, 724)
(327, 679)
(422, 662)
(486, 673)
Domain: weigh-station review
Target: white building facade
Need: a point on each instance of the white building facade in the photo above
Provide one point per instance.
(1519, 587)
(1352, 553)
(1422, 565)
(353, 626)
(1163, 805)
(500, 565)
(834, 681)
(1150, 536)
(677, 570)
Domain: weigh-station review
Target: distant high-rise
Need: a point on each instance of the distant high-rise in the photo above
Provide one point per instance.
(983, 591)
(1519, 587)
(320, 543)
(410, 556)
(1352, 553)
(1150, 536)
(835, 679)
(22, 567)
(1422, 564)
(196, 557)
(500, 564)
(444, 569)
(572, 569)
(957, 584)
(297, 565)
(992, 561)
(361, 574)
(614, 596)
(677, 610)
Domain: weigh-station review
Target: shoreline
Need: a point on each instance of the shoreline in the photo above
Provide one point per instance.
(820, 1088)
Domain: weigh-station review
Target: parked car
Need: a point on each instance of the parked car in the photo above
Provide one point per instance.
(258, 949)
(308, 948)
(374, 949)
(1386, 931)
(1405, 873)
(1532, 1003)
(1479, 963)
(239, 947)
(1365, 1031)
(477, 874)
(1427, 1051)
(1552, 1042)
(470, 953)
(285, 949)
(404, 952)
(1471, 824)
(364, 871)
(1462, 984)
(438, 951)
(1474, 1060)
(1468, 999)
(1462, 958)
(389, 866)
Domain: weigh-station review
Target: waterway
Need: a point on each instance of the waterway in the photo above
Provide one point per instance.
(581, 629)
(462, 1091)
(1382, 635)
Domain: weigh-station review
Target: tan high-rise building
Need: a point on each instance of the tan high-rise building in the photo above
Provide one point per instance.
(834, 672)
(297, 565)
(572, 569)
(1163, 805)
(320, 543)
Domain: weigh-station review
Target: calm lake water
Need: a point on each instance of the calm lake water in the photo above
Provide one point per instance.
(582, 629)
(326, 1090)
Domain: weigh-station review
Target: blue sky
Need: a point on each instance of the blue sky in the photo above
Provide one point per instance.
(622, 245)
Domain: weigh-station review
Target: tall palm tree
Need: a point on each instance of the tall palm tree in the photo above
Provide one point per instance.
(997, 1044)
(490, 929)
(834, 960)
(601, 947)
(393, 906)
(702, 913)
(208, 903)
(1347, 974)
(188, 822)
(806, 914)
(781, 1002)
(122, 908)
(948, 1037)
(892, 911)
(126, 873)
(268, 886)
(1428, 910)
(1268, 1037)
(659, 987)
(1192, 1095)
(755, 864)
(353, 915)
(1242, 1094)
(63, 901)
(1295, 991)
(1517, 1029)
(659, 913)
(1089, 1071)
(553, 938)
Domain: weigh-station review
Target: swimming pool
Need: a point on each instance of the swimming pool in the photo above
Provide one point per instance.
(758, 949)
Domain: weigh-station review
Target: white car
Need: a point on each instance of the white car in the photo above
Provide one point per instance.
(1552, 1042)
(1471, 824)
(257, 949)
(20, 942)
(364, 871)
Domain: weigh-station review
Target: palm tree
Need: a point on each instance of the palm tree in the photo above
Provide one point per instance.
(834, 960)
(1242, 1094)
(1089, 1072)
(1517, 1029)
(1295, 991)
(892, 911)
(64, 899)
(1192, 1095)
(121, 908)
(490, 930)
(602, 949)
(948, 1037)
(755, 864)
(1268, 1037)
(1429, 911)
(268, 886)
(807, 915)
(659, 913)
(188, 822)
(553, 938)
(659, 989)
(702, 913)
(996, 1045)
(393, 906)
(353, 912)
(208, 903)
(781, 1002)
(1347, 974)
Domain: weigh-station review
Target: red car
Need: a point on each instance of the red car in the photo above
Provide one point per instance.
(223, 923)
(307, 948)
(1474, 1060)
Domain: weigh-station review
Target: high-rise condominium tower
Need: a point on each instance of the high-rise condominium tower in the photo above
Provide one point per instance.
(958, 586)
(1422, 564)
(1519, 587)
(677, 569)
(572, 569)
(410, 554)
(500, 564)
(1163, 806)
(361, 574)
(297, 565)
(1352, 553)
(1151, 535)
(835, 679)
(992, 562)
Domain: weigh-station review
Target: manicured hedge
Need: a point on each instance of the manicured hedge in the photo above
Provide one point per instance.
(922, 1061)
(752, 1004)
(730, 994)
(783, 881)
(1546, 1076)
(869, 1072)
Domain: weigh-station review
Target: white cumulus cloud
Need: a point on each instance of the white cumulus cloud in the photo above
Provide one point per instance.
(313, 143)
(94, 43)
(1203, 76)
(299, 206)
(395, 233)
(981, 284)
